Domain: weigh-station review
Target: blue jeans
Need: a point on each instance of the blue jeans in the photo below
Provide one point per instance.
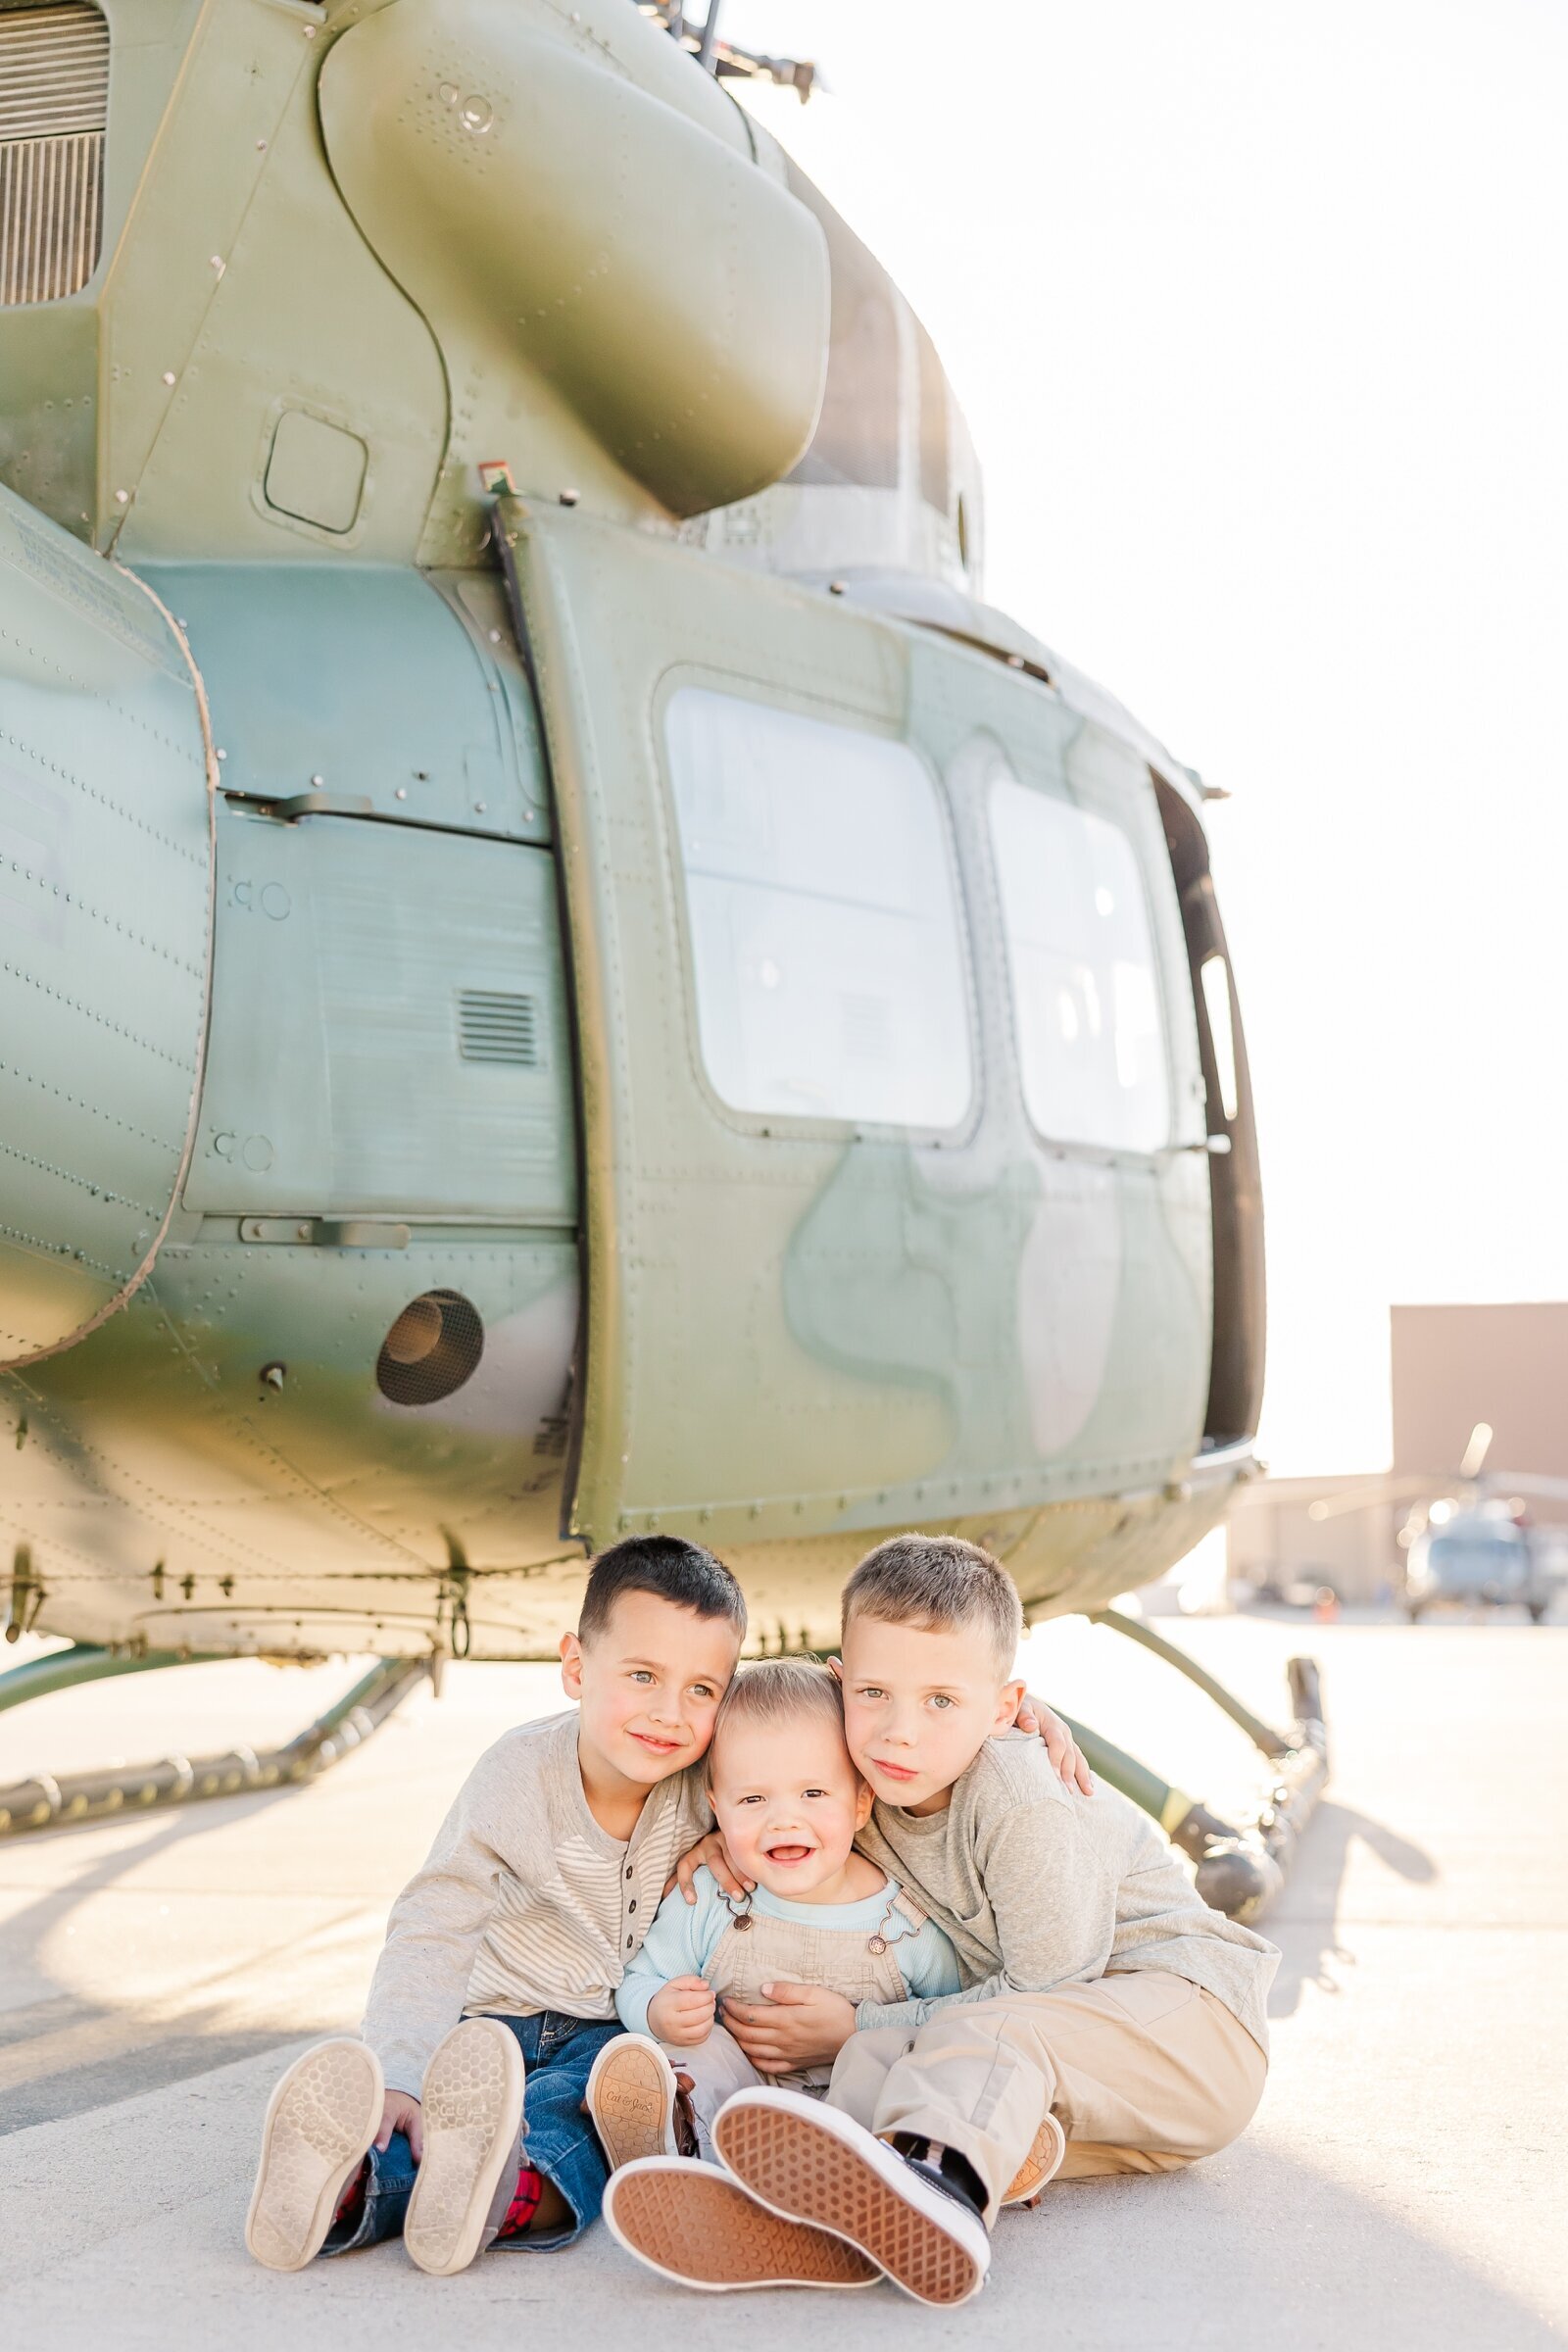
(559, 2141)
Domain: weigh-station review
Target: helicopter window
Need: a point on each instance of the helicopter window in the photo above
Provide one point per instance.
(824, 926)
(856, 437)
(1085, 984)
(1215, 976)
(935, 485)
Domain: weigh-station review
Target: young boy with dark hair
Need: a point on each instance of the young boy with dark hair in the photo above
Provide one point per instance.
(1110, 2022)
(542, 1881)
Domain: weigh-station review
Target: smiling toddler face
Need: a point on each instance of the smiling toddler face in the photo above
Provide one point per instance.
(788, 1800)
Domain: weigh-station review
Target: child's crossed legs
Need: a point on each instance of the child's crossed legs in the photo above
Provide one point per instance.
(1142, 2071)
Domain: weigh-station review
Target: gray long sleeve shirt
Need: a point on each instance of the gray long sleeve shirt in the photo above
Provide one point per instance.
(524, 1902)
(1039, 1887)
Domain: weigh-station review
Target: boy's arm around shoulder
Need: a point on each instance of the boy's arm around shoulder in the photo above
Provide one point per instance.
(1052, 1888)
(498, 1821)
(680, 1944)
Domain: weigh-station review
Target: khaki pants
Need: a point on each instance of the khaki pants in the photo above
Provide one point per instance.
(1144, 2071)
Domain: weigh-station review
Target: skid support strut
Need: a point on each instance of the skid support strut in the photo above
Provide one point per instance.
(46, 1803)
(1241, 1866)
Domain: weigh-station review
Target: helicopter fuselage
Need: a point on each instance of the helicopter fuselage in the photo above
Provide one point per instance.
(564, 973)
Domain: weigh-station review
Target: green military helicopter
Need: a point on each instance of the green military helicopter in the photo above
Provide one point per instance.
(563, 971)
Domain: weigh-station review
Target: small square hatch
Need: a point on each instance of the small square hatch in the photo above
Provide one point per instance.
(316, 472)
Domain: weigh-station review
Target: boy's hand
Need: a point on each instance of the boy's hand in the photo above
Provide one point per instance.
(682, 2011)
(711, 1851)
(399, 2113)
(1061, 1746)
(792, 2025)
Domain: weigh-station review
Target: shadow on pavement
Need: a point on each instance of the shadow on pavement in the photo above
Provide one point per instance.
(1308, 1911)
(66, 2051)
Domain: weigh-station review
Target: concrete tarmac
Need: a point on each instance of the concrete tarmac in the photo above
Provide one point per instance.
(1401, 2187)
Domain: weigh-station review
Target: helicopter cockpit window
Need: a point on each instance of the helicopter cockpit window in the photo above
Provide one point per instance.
(1085, 979)
(823, 916)
(1214, 973)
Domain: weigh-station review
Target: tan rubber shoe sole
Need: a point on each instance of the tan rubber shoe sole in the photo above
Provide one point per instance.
(319, 2122)
(693, 2224)
(798, 2163)
(632, 2098)
(1042, 2164)
(472, 2106)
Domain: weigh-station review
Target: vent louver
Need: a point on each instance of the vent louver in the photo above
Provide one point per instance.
(54, 102)
(493, 1027)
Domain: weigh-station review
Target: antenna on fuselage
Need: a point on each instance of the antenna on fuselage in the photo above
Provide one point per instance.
(723, 58)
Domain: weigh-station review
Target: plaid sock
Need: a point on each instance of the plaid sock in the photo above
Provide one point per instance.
(351, 2204)
(524, 2202)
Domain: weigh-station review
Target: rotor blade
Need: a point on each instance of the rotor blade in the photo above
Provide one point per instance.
(1507, 1482)
(1386, 1490)
(1475, 1454)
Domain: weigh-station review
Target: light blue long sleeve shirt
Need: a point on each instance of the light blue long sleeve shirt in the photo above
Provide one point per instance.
(684, 1937)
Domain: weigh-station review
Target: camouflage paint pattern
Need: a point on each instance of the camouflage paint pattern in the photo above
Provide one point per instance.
(278, 812)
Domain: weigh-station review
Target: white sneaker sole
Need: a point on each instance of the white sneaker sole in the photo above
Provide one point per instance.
(692, 2224)
(321, 2120)
(812, 2164)
(632, 2098)
(472, 2106)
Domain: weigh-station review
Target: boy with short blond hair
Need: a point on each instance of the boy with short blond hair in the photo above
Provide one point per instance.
(1110, 2022)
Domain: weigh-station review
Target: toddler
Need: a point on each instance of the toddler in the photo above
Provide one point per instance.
(789, 1804)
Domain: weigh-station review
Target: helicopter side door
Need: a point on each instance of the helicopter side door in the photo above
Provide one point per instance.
(822, 1249)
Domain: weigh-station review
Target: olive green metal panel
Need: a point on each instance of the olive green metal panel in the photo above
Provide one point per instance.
(104, 874)
(548, 215)
(271, 362)
(389, 1032)
(367, 685)
(812, 1328)
(312, 1515)
(241, 275)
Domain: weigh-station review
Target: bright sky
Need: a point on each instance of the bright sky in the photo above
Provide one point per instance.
(1257, 316)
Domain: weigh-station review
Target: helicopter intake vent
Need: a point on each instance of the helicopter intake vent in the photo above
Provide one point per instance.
(54, 104)
(495, 1027)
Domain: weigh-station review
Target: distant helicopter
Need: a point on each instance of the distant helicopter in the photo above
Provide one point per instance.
(564, 973)
(1466, 1539)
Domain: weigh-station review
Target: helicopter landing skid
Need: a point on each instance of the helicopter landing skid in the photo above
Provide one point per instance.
(1241, 1865)
(46, 1803)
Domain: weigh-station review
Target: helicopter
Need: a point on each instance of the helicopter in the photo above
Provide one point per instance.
(565, 974)
(1466, 1539)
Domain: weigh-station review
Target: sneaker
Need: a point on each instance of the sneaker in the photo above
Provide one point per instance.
(812, 2164)
(631, 2097)
(320, 2121)
(1042, 2164)
(472, 2104)
(692, 2223)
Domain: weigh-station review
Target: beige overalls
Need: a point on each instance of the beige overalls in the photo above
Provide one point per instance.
(758, 1949)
